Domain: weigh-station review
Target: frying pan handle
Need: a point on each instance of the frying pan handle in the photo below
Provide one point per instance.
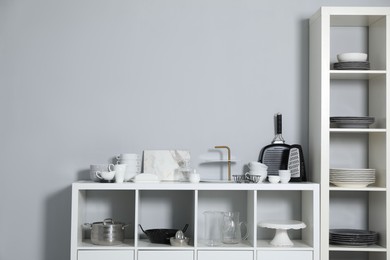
(185, 228)
(142, 229)
(278, 123)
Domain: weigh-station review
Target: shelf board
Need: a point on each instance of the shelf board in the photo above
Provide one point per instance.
(370, 248)
(357, 130)
(171, 185)
(145, 244)
(298, 245)
(87, 244)
(356, 74)
(369, 188)
(243, 245)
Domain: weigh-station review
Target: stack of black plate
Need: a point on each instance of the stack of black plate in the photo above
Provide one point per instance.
(352, 237)
(352, 121)
(352, 65)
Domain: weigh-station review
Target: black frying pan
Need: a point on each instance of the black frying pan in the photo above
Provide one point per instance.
(275, 155)
(280, 156)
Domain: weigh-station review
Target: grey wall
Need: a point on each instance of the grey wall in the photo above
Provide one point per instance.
(82, 81)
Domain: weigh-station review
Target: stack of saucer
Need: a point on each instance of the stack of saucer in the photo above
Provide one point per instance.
(352, 178)
(258, 169)
(133, 164)
(352, 121)
(358, 65)
(353, 237)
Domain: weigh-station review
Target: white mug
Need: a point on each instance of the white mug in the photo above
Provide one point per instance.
(120, 170)
(119, 177)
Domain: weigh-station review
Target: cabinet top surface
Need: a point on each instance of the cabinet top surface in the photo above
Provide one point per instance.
(89, 185)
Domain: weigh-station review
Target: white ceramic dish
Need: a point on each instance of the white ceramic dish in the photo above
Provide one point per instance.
(352, 57)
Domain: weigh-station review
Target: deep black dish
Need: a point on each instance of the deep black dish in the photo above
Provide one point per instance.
(161, 235)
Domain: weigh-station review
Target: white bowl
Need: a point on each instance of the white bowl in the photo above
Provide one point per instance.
(352, 57)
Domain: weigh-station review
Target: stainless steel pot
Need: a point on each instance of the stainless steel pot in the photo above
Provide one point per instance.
(107, 233)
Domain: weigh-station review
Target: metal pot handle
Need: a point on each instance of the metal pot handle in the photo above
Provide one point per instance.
(108, 221)
(124, 226)
(87, 226)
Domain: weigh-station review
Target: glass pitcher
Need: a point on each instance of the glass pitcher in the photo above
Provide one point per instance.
(231, 228)
(213, 227)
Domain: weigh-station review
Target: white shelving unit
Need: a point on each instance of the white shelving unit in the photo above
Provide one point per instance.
(172, 205)
(335, 30)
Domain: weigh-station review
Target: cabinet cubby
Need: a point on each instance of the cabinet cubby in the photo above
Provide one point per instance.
(97, 205)
(165, 209)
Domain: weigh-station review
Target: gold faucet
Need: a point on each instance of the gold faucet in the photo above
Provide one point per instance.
(229, 161)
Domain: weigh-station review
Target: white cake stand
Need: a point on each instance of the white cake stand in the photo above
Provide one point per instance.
(281, 226)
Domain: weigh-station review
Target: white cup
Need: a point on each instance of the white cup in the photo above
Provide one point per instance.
(119, 177)
(105, 175)
(285, 176)
(273, 179)
(93, 168)
(194, 177)
(120, 170)
(285, 173)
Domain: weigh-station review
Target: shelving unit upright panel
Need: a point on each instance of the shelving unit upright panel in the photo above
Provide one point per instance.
(251, 217)
(319, 100)
(378, 215)
(377, 39)
(377, 100)
(377, 158)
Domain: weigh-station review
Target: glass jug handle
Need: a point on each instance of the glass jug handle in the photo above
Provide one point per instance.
(246, 230)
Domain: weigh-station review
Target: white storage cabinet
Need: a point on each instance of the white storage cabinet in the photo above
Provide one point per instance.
(172, 205)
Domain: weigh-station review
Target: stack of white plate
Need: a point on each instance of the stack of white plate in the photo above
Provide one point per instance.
(352, 178)
(133, 164)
